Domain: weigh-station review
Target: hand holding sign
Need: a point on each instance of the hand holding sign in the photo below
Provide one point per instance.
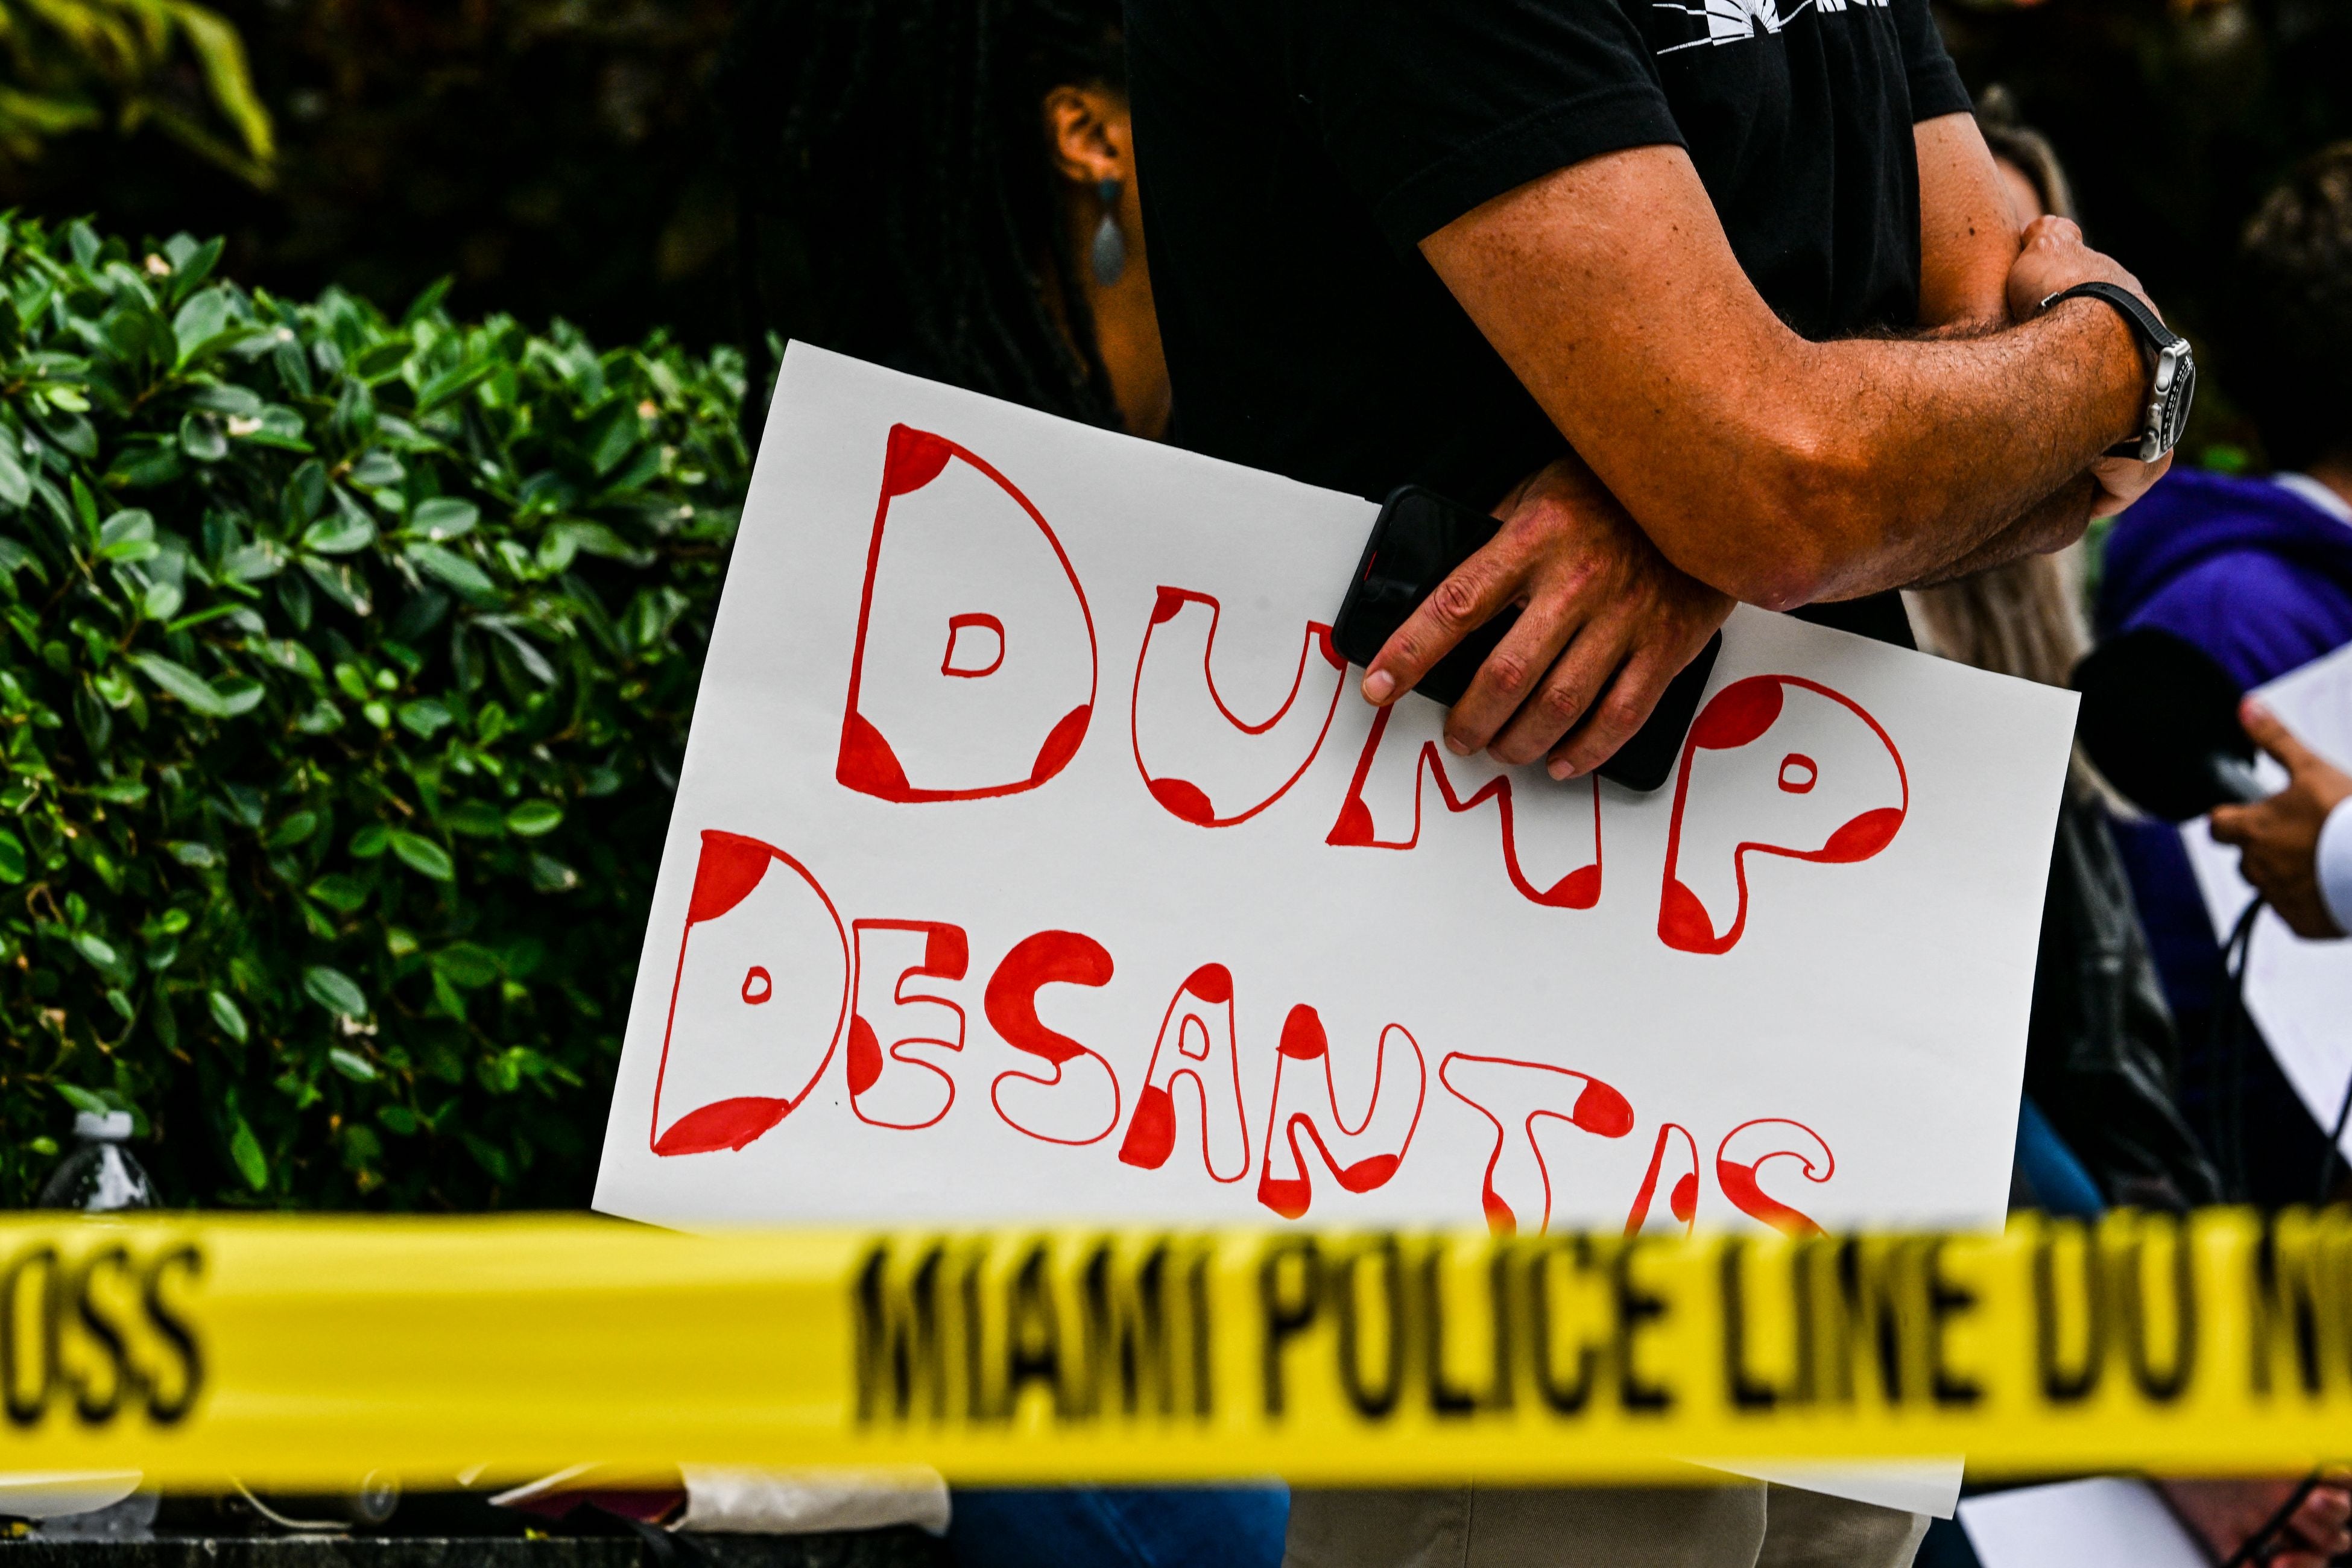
(1605, 624)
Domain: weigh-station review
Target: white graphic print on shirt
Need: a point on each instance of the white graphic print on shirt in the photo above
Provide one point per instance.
(1734, 21)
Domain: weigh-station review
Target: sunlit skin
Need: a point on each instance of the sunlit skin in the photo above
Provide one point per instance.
(1090, 138)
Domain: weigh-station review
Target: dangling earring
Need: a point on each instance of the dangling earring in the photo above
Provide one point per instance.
(1108, 252)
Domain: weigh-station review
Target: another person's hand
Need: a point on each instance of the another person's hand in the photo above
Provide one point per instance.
(2053, 257)
(1606, 623)
(2225, 1513)
(2280, 836)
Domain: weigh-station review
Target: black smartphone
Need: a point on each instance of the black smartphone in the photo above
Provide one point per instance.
(1417, 540)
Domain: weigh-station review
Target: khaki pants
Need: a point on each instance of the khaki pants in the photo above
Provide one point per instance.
(1747, 1525)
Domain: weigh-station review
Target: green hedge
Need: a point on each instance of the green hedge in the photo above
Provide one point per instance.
(347, 667)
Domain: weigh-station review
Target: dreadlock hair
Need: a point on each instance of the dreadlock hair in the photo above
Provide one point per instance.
(895, 198)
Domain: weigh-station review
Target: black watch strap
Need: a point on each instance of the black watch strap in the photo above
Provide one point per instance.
(2154, 336)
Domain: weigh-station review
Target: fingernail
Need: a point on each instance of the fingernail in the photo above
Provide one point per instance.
(1378, 687)
(1459, 748)
(1561, 768)
(2253, 710)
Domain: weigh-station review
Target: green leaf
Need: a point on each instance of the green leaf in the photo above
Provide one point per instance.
(220, 52)
(306, 492)
(351, 1065)
(239, 694)
(476, 819)
(443, 518)
(333, 990)
(396, 1119)
(82, 1099)
(370, 841)
(293, 831)
(12, 857)
(453, 382)
(183, 683)
(342, 892)
(486, 1154)
(534, 818)
(203, 317)
(128, 536)
(423, 855)
(340, 534)
(452, 571)
(227, 1014)
(96, 948)
(377, 469)
(202, 438)
(245, 1152)
(379, 361)
(425, 718)
(466, 964)
(16, 484)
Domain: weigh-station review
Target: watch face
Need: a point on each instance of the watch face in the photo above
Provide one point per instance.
(2177, 400)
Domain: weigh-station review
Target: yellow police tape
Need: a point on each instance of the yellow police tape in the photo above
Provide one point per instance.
(296, 1351)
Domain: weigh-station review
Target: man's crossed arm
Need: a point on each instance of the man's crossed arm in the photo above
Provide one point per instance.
(1729, 458)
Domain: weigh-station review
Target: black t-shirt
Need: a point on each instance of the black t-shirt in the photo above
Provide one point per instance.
(1292, 154)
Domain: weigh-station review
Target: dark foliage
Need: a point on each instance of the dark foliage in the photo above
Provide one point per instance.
(347, 663)
(556, 157)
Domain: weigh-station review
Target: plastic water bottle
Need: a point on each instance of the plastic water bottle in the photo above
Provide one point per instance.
(100, 1176)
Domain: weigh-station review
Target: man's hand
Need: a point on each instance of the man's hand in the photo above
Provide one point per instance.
(2051, 258)
(1606, 624)
(2280, 836)
(2226, 1513)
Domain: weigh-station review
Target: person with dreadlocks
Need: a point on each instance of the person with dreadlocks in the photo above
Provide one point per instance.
(947, 187)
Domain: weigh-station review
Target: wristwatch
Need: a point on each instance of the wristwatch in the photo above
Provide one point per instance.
(2174, 383)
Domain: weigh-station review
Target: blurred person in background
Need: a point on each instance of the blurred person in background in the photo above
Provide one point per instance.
(2100, 1124)
(947, 187)
(2258, 573)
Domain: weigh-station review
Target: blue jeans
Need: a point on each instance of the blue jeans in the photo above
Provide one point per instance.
(1118, 1527)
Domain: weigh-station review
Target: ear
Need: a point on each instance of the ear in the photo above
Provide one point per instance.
(1088, 134)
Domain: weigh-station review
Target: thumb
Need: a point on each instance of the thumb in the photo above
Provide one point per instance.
(2263, 727)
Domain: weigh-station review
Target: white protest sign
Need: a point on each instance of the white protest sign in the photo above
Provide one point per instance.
(1034, 858)
(2298, 993)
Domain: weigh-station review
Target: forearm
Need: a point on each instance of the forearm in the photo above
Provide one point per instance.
(2056, 523)
(1880, 463)
(1776, 469)
(1965, 454)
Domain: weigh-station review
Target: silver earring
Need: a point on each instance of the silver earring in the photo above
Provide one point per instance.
(1108, 252)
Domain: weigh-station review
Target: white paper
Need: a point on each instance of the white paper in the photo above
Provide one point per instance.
(1113, 829)
(733, 1500)
(2299, 992)
(2107, 1521)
